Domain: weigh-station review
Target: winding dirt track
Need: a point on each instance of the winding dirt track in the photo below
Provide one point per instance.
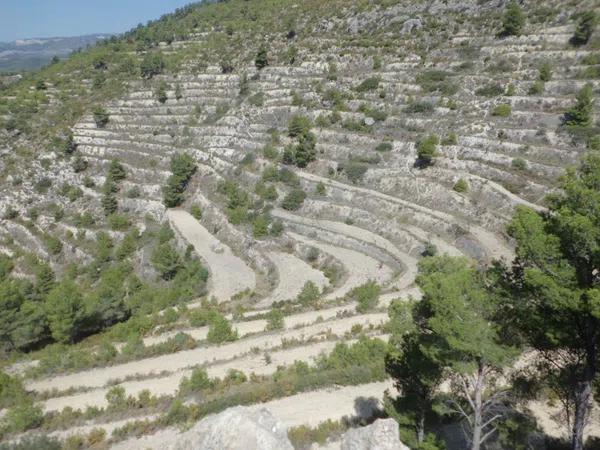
(308, 408)
(293, 274)
(228, 273)
(96, 378)
(359, 267)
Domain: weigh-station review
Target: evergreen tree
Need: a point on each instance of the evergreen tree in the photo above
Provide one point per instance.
(166, 261)
(585, 27)
(220, 331)
(557, 296)
(262, 58)
(116, 171)
(416, 375)
(456, 322)
(581, 114)
(64, 311)
(513, 20)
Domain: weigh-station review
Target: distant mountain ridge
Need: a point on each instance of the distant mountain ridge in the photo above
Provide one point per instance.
(33, 53)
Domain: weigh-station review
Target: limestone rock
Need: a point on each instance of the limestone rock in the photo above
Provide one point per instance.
(369, 121)
(410, 25)
(383, 434)
(238, 428)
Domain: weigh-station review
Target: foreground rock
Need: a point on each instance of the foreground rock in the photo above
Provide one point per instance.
(238, 428)
(383, 434)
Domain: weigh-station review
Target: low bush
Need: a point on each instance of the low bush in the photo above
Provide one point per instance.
(419, 107)
(384, 147)
(370, 84)
(366, 295)
(502, 110)
(293, 200)
(490, 90)
(220, 330)
(461, 185)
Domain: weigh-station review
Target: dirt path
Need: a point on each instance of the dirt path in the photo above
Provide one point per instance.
(168, 385)
(360, 267)
(229, 274)
(494, 246)
(96, 378)
(293, 274)
(305, 408)
(258, 325)
(360, 234)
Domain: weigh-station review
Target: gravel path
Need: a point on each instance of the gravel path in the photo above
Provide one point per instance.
(495, 247)
(305, 408)
(229, 274)
(96, 378)
(293, 274)
(360, 234)
(258, 325)
(359, 267)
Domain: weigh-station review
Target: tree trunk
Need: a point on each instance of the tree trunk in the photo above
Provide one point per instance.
(477, 410)
(583, 403)
(421, 427)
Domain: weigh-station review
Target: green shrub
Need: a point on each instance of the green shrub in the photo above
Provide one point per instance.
(430, 250)
(384, 147)
(299, 125)
(450, 139)
(161, 92)
(537, 88)
(196, 211)
(270, 152)
(356, 126)
(461, 185)
(23, 416)
(545, 72)
(220, 330)
(586, 24)
(513, 20)
(427, 149)
(309, 295)
(419, 107)
(275, 320)
(591, 59)
(581, 114)
(519, 164)
(502, 110)
(197, 382)
(437, 81)
(366, 295)
(260, 226)
(355, 171)
(490, 90)
(370, 84)
(101, 117)
(183, 167)
(262, 58)
(293, 200)
(118, 222)
(152, 64)
(257, 99)
(166, 261)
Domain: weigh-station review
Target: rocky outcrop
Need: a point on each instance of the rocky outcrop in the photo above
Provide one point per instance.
(383, 434)
(238, 428)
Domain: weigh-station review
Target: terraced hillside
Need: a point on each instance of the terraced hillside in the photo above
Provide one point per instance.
(329, 146)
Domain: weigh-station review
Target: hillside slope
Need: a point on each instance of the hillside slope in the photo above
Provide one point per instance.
(305, 129)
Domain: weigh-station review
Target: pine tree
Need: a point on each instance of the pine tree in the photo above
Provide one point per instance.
(556, 302)
(585, 27)
(513, 20)
(456, 324)
(581, 114)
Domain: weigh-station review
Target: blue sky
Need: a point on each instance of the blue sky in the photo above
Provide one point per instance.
(48, 18)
